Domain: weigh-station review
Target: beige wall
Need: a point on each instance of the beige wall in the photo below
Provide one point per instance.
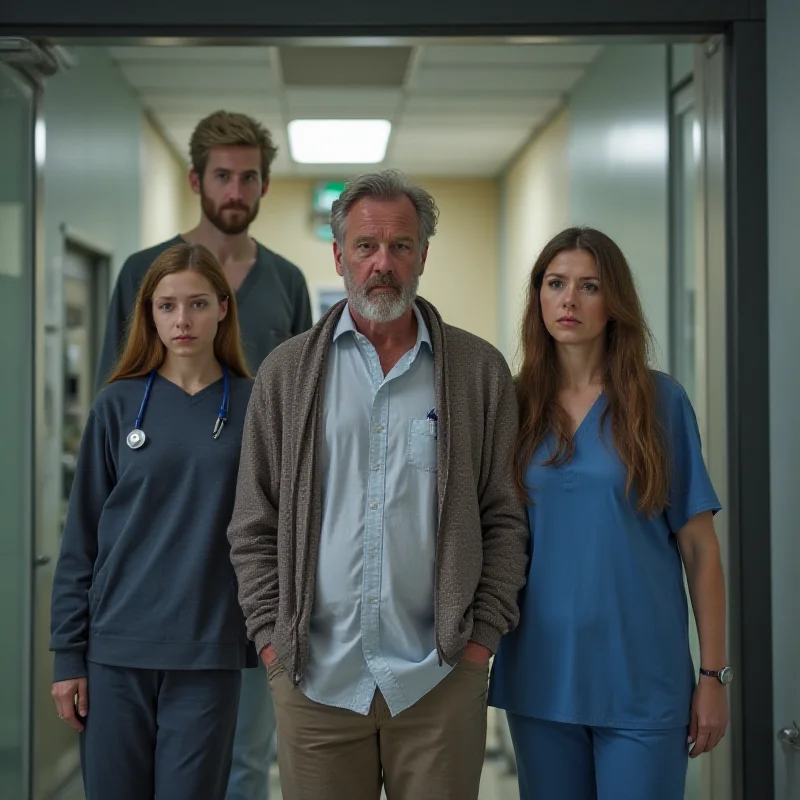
(536, 207)
(168, 205)
(461, 276)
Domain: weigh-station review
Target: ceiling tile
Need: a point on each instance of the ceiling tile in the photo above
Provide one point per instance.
(486, 166)
(490, 55)
(448, 140)
(478, 79)
(344, 66)
(198, 105)
(484, 105)
(467, 110)
(342, 103)
(202, 77)
(175, 54)
(477, 121)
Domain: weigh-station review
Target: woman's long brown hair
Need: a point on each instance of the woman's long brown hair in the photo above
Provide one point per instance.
(144, 350)
(628, 382)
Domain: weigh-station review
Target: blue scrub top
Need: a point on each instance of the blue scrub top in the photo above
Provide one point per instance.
(603, 638)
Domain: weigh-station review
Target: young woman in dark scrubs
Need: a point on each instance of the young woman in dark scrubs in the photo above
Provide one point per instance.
(148, 635)
(602, 698)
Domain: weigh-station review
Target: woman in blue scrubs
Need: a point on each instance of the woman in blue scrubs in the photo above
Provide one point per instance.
(602, 699)
(148, 635)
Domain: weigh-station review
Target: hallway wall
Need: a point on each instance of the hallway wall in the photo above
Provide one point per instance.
(603, 163)
(165, 191)
(460, 278)
(619, 168)
(15, 357)
(92, 181)
(783, 121)
(535, 206)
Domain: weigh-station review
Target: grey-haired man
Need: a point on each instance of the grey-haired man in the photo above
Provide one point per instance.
(377, 537)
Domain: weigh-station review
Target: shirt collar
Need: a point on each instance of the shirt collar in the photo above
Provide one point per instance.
(347, 324)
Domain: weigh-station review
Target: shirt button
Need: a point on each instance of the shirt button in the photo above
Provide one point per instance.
(379, 428)
(373, 600)
(376, 467)
(373, 506)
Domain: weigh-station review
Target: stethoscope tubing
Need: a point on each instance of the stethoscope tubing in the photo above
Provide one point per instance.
(136, 438)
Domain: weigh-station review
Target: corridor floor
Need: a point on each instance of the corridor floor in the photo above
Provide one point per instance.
(498, 782)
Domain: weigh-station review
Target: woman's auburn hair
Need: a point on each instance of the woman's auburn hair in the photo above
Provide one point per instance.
(628, 382)
(144, 351)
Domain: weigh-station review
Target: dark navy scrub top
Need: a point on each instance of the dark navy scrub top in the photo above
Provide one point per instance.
(603, 637)
(144, 579)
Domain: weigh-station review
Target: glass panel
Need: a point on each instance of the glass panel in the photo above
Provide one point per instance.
(78, 376)
(687, 213)
(687, 216)
(55, 744)
(16, 402)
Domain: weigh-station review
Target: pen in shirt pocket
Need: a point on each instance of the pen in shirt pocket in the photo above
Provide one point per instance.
(432, 420)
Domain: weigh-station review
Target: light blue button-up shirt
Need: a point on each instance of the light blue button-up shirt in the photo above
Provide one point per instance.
(372, 623)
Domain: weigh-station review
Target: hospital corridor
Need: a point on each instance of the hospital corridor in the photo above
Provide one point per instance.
(671, 132)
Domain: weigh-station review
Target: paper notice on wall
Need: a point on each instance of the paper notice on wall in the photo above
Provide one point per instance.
(12, 232)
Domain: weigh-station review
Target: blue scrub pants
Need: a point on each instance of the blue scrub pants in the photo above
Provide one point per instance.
(253, 747)
(558, 760)
(154, 733)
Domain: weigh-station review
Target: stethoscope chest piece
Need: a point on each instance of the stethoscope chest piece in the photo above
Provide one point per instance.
(136, 439)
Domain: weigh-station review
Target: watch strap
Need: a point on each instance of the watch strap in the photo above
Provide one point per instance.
(724, 676)
(711, 673)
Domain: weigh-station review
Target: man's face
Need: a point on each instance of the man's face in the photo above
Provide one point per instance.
(231, 188)
(381, 260)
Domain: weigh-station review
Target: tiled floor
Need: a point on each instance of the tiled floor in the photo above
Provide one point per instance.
(497, 781)
(496, 784)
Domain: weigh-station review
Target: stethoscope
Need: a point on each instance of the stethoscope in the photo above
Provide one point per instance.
(136, 437)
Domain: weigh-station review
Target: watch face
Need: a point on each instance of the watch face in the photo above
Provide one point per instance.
(726, 676)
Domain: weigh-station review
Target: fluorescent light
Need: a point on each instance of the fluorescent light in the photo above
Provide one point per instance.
(339, 141)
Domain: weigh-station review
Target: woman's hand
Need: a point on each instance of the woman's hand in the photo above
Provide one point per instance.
(71, 696)
(709, 719)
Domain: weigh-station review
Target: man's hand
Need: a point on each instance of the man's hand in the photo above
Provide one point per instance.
(476, 653)
(70, 696)
(268, 655)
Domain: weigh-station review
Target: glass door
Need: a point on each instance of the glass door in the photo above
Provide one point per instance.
(79, 361)
(18, 98)
(686, 277)
(698, 322)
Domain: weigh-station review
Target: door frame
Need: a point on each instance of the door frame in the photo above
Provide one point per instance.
(742, 22)
(27, 75)
(101, 258)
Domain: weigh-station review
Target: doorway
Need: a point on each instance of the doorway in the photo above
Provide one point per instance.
(19, 97)
(744, 193)
(85, 280)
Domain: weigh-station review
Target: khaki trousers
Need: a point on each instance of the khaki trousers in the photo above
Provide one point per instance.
(434, 749)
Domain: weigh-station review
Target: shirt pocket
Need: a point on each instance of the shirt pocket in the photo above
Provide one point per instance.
(422, 444)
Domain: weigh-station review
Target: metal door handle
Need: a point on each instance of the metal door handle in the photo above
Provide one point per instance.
(790, 736)
(40, 561)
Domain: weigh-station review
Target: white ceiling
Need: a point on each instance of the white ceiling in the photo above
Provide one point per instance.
(456, 110)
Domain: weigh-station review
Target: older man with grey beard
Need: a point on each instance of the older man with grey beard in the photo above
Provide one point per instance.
(377, 538)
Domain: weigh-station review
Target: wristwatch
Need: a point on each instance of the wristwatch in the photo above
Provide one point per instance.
(724, 676)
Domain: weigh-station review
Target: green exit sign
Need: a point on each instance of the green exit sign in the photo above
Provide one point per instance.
(324, 196)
